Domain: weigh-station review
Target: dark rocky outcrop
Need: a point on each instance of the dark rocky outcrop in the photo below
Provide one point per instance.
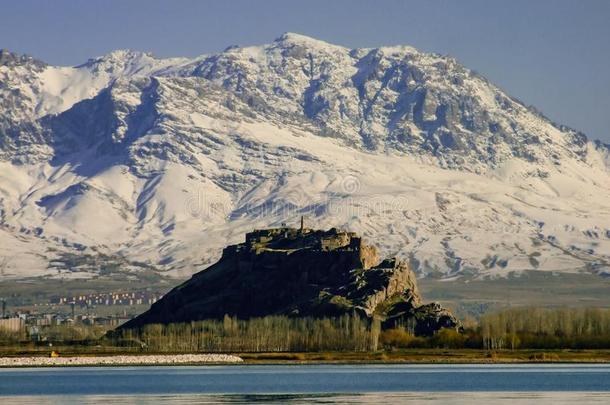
(301, 272)
(11, 59)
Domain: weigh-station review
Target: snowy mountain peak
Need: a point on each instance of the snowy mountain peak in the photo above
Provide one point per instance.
(118, 57)
(159, 163)
(125, 62)
(291, 38)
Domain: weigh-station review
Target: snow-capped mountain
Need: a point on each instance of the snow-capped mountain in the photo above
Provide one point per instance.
(129, 162)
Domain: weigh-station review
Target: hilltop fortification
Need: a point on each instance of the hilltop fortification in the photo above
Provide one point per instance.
(301, 272)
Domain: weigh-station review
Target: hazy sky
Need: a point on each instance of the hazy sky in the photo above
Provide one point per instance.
(553, 54)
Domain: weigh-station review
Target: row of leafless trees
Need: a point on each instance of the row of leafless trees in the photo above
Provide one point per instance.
(521, 328)
(268, 334)
(546, 328)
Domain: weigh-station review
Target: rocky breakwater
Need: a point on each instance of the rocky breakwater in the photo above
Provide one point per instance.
(301, 272)
(123, 360)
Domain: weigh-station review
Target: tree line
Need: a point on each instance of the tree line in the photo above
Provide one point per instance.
(268, 334)
(541, 328)
(515, 328)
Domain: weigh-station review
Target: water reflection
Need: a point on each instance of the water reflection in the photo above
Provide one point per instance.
(310, 384)
(427, 398)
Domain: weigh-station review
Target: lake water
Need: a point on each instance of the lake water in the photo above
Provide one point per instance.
(320, 384)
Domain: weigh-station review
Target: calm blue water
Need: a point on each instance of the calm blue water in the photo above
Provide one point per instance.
(430, 384)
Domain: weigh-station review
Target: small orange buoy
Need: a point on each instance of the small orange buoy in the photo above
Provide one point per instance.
(54, 354)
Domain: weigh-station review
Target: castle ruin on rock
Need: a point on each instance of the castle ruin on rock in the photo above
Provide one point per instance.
(302, 272)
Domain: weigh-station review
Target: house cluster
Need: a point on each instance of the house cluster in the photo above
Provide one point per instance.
(110, 298)
(21, 320)
(61, 310)
(35, 326)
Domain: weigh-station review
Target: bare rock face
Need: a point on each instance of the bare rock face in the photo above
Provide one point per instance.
(301, 272)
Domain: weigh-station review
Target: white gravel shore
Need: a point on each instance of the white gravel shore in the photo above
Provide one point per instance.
(160, 359)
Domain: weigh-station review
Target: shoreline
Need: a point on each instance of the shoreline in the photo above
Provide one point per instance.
(418, 357)
(434, 356)
(120, 360)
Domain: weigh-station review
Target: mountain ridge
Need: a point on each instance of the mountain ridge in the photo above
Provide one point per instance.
(181, 156)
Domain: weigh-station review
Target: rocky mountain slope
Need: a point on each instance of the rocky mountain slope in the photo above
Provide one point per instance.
(301, 272)
(131, 163)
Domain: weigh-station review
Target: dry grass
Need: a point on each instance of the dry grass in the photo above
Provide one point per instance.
(464, 356)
